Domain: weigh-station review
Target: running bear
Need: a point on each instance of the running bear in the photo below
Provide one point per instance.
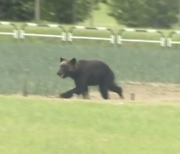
(86, 73)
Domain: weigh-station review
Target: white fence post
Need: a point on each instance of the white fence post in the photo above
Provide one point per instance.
(170, 40)
(14, 33)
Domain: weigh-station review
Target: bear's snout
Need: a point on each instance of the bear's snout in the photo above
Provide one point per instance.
(61, 74)
(58, 73)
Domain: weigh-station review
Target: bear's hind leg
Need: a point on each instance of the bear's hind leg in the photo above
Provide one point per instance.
(116, 89)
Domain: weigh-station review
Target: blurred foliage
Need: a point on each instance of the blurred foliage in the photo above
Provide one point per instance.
(63, 11)
(16, 10)
(134, 13)
(146, 13)
(66, 11)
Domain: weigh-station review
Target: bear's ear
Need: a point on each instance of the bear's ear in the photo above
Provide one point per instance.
(61, 59)
(73, 61)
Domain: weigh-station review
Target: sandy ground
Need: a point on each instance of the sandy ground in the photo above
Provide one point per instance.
(143, 92)
(133, 92)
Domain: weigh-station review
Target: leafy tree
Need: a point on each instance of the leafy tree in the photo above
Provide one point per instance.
(146, 13)
(66, 11)
(16, 10)
(63, 11)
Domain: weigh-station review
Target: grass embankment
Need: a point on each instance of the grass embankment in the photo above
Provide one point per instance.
(32, 67)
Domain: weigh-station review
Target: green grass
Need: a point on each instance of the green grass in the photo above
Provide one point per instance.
(48, 126)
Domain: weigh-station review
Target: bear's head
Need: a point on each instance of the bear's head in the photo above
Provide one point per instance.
(67, 67)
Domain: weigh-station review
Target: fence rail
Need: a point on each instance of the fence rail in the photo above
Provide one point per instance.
(67, 35)
(120, 38)
(71, 36)
(23, 32)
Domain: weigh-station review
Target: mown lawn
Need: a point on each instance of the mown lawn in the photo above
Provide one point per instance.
(52, 126)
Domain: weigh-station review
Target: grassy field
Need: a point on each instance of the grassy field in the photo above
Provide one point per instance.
(48, 126)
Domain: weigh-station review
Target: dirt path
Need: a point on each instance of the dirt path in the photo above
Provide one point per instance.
(152, 92)
(136, 92)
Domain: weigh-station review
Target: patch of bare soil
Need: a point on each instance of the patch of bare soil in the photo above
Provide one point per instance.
(146, 92)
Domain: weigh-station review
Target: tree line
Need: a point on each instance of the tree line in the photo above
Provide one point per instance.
(134, 13)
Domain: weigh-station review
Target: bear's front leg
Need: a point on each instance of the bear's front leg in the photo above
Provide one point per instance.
(67, 94)
(81, 86)
(85, 94)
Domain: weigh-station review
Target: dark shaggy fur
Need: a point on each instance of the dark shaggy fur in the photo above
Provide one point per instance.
(85, 73)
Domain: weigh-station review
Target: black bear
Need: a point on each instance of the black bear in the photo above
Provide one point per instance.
(85, 73)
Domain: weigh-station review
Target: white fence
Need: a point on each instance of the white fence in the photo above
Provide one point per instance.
(14, 32)
(170, 40)
(71, 36)
(120, 38)
(61, 35)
